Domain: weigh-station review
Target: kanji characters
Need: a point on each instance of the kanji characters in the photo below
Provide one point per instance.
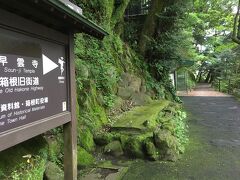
(13, 81)
(35, 81)
(9, 106)
(20, 62)
(18, 81)
(37, 101)
(3, 60)
(4, 82)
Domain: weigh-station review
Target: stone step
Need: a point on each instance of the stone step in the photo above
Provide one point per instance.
(141, 118)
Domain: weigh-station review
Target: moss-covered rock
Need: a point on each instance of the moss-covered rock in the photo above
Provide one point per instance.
(167, 144)
(143, 89)
(136, 117)
(140, 99)
(84, 158)
(114, 148)
(103, 139)
(146, 123)
(125, 79)
(135, 83)
(151, 150)
(123, 139)
(53, 172)
(118, 103)
(134, 148)
(164, 140)
(171, 155)
(54, 148)
(125, 92)
(169, 124)
(86, 140)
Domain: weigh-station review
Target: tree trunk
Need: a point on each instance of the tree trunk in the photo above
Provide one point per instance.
(150, 24)
(118, 17)
(207, 80)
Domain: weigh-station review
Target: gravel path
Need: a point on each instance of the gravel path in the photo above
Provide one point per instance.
(214, 148)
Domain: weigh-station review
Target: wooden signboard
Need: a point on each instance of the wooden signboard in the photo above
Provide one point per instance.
(37, 72)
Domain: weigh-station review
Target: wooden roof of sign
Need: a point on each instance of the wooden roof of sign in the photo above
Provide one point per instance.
(61, 15)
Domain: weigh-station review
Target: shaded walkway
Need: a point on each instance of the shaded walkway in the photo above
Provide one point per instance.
(203, 90)
(214, 148)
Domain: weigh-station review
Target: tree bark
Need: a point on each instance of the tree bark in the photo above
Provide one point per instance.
(118, 15)
(207, 80)
(150, 24)
(236, 26)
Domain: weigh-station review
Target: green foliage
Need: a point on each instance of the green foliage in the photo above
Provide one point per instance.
(85, 138)
(168, 48)
(84, 158)
(55, 149)
(173, 119)
(24, 161)
(109, 100)
(98, 62)
(181, 130)
(212, 23)
(34, 169)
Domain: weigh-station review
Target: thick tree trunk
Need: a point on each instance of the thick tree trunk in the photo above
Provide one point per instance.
(212, 78)
(199, 78)
(207, 80)
(150, 24)
(118, 17)
(236, 26)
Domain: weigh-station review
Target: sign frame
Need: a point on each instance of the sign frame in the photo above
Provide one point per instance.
(57, 26)
(68, 119)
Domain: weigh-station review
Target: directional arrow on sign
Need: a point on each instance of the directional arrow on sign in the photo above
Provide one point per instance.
(48, 64)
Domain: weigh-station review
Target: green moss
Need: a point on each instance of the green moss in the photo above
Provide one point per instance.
(95, 109)
(86, 140)
(53, 172)
(114, 148)
(103, 138)
(138, 115)
(54, 148)
(84, 158)
(92, 113)
(123, 139)
(119, 13)
(173, 119)
(24, 161)
(151, 150)
(134, 148)
(166, 143)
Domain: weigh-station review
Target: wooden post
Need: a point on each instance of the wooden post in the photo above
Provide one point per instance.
(175, 80)
(229, 83)
(219, 85)
(70, 129)
(186, 81)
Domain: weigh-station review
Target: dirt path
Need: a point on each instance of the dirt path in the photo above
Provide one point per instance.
(203, 90)
(214, 148)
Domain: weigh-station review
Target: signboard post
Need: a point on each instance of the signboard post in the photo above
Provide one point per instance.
(37, 72)
(70, 133)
